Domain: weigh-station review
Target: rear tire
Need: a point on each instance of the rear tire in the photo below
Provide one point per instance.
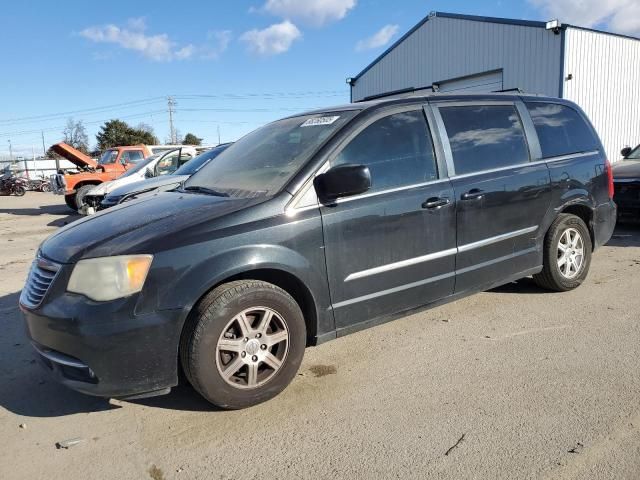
(567, 254)
(70, 200)
(243, 343)
(45, 187)
(19, 191)
(80, 194)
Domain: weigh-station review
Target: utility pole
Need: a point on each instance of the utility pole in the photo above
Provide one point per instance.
(44, 150)
(172, 131)
(219, 142)
(10, 151)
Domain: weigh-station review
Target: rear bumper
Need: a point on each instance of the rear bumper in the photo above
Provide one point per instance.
(604, 223)
(103, 349)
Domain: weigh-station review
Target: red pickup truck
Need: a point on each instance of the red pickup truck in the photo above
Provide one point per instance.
(113, 163)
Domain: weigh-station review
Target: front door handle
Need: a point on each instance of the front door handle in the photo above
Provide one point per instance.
(435, 202)
(473, 194)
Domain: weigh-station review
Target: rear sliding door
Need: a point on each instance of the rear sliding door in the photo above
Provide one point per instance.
(502, 191)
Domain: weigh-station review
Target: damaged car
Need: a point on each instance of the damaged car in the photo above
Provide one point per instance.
(160, 183)
(158, 165)
(626, 180)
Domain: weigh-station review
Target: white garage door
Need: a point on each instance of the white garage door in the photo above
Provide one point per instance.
(482, 83)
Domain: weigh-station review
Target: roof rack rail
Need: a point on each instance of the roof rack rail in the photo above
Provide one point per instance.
(398, 93)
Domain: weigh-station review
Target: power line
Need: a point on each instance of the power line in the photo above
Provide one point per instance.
(60, 128)
(151, 100)
(86, 110)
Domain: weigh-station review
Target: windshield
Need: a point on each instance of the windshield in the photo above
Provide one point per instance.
(108, 157)
(262, 162)
(634, 155)
(139, 166)
(192, 166)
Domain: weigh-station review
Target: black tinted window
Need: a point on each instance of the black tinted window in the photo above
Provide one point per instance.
(561, 130)
(484, 137)
(397, 149)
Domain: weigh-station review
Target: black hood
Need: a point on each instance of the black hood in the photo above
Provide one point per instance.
(627, 170)
(148, 225)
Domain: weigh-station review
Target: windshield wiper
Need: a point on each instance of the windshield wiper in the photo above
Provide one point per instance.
(205, 190)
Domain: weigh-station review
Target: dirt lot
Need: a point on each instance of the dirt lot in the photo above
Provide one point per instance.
(512, 383)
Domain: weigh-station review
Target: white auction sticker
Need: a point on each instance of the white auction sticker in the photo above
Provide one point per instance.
(314, 122)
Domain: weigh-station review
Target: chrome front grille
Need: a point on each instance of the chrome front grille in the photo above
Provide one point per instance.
(39, 280)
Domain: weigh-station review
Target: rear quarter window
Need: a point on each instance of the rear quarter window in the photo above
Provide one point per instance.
(561, 130)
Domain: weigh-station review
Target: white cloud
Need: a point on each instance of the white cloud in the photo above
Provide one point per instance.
(156, 47)
(620, 16)
(273, 40)
(378, 39)
(220, 39)
(313, 12)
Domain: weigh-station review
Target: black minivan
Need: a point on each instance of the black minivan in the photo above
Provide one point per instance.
(312, 227)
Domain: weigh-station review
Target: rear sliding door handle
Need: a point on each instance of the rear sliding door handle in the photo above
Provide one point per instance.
(473, 194)
(435, 202)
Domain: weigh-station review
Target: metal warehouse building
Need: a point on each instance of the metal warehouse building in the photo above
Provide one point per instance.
(447, 52)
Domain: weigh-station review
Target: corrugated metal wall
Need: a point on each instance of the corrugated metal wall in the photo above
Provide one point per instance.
(445, 48)
(606, 84)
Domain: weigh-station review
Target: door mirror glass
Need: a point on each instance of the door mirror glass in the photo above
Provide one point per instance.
(342, 181)
(625, 152)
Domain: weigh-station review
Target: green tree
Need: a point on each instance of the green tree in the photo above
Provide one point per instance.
(75, 134)
(51, 154)
(191, 139)
(116, 133)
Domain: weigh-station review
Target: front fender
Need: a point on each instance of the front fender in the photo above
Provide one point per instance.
(182, 289)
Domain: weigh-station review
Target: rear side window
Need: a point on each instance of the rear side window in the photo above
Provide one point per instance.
(561, 130)
(397, 149)
(484, 137)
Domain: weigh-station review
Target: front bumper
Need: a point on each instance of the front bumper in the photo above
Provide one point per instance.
(627, 197)
(104, 348)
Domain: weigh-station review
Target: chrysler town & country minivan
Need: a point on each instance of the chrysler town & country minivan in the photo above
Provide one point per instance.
(312, 227)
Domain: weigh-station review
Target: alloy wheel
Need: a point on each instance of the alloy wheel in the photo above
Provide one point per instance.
(252, 347)
(570, 253)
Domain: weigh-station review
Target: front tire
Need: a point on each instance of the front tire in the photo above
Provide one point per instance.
(19, 191)
(243, 343)
(567, 254)
(70, 200)
(80, 194)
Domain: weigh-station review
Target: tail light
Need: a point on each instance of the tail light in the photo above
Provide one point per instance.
(609, 170)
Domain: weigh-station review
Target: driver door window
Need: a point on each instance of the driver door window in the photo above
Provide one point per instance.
(397, 149)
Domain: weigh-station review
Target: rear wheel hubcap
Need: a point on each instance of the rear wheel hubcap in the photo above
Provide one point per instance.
(570, 253)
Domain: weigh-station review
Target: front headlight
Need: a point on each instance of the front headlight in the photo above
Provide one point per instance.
(108, 278)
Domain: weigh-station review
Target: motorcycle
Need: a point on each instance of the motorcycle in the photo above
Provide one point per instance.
(39, 185)
(10, 185)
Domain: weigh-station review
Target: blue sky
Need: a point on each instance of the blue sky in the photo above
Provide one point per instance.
(233, 65)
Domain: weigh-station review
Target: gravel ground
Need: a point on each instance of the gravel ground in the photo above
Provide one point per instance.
(512, 383)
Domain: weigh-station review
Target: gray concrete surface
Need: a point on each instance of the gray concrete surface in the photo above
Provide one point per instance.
(541, 385)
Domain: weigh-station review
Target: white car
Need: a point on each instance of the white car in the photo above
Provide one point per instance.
(164, 163)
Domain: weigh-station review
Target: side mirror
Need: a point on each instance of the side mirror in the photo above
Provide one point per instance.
(625, 152)
(148, 173)
(342, 181)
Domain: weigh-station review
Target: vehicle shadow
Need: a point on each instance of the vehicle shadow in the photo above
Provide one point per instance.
(62, 210)
(625, 235)
(42, 210)
(523, 285)
(25, 387)
(183, 397)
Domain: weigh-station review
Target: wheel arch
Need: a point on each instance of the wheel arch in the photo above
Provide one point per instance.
(586, 213)
(83, 183)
